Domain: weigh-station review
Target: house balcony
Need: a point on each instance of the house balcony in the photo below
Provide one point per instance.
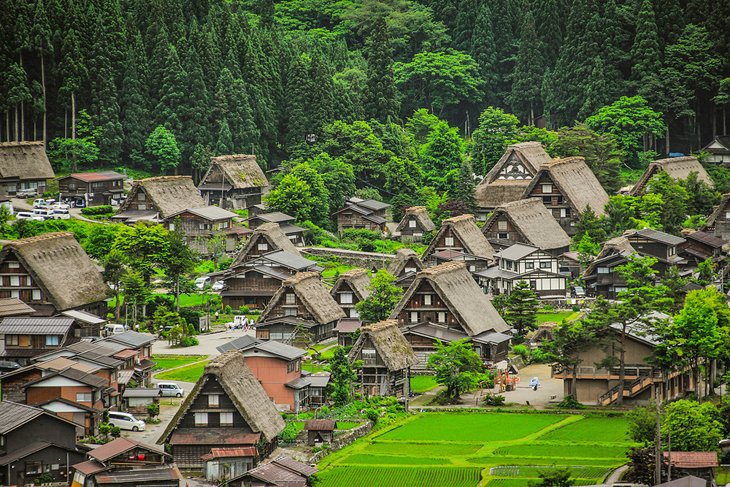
(631, 372)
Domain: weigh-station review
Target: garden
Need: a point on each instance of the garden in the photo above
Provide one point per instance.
(498, 449)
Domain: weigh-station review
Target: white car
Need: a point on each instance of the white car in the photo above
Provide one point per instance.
(40, 203)
(218, 286)
(126, 421)
(27, 215)
(170, 389)
(201, 282)
(59, 214)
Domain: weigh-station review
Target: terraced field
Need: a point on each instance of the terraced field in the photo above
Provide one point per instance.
(480, 449)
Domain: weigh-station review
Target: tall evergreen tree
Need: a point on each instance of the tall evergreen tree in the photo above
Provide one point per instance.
(381, 96)
(172, 92)
(134, 102)
(645, 54)
(465, 187)
(321, 102)
(528, 73)
(297, 128)
(40, 40)
(224, 144)
(484, 50)
(72, 72)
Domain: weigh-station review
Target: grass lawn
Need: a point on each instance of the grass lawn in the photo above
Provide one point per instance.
(423, 383)
(347, 425)
(486, 448)
(191, 373)
(310, 367)
(170, 361)
(331, 273)
(557, 316)
(723, 475)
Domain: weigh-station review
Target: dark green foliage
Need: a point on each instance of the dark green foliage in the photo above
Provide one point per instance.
(455, 364)
(381, 97)
(342, 378)
(521, 308)
(384, 295)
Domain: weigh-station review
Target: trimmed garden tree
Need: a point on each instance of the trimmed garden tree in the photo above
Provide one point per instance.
(521, 308)
(384, 295)
(455, 365)
(342, 377)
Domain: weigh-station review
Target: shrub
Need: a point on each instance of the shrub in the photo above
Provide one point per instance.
(290, 432)
(569, 402)
(228, 310)
(189, 341)
(372, 415)
(153, 409)
(493, 400)
(522, 351)
(243, 309)
(97, 210)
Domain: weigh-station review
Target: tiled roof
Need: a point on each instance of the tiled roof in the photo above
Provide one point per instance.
(692, 459)
(320, 425)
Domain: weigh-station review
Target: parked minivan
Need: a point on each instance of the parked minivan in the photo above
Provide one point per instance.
(61, 214)
(126, 421)
(170, 389)
(114, 329)
(27, 215)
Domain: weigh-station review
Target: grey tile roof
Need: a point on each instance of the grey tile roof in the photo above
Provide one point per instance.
(662, 237)
(13, 415)
(517, 251)
(141, 393)
(287, 259)
(209, 213)
(35, 326)
(281, 349)
(274, 217)
(84, 317)
(131, 339)
(240, 343)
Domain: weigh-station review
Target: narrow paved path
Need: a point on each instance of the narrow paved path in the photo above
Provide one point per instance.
(616, 475)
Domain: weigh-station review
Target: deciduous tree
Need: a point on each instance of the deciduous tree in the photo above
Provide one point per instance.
(384, 295)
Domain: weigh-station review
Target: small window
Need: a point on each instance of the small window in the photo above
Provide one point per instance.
(411, 223)
(226, 419)
(547, 188)
(13, 265)
(564, 212)
(427, 300)
(14, 293)
(141, 196)
(472, 268)
(602, 270)
(442, 317)
(345, 298)
(529, 265)
(24, 340)
(449, 241)
(15, 281)
(547, 200)
(201, 419)
(290, 311)
(292, 366)
(354, 313)
(83, 397)
(172, 227)
(52, 340)
(263, 247)
(141, 206)
(545, 264)
(410, 269)
(414, 316)
(36, 295)
(727, 215)
(290, 298)
(11, 340)
(503, 236)
(502, 226)
(213, 400)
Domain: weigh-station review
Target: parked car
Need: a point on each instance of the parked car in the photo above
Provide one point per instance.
(126, 421)
(27, 215)
(218, 286)
(114, 329)
(201, 282)
(170, 389)
(44, 213)
(60, 206)
(27, 193)
(40, 203)
(60, 214)
(8, 366)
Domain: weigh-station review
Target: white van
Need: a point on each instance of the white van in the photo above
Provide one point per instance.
(114, 329)
(27, 215)
(170, 389)
(44, 213)
(126, 421)
(61, 214)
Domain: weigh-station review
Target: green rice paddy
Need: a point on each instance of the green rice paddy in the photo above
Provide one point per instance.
(480, 449)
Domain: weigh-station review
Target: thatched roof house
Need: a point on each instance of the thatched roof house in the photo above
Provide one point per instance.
(462, 234)
(677, 168)
(579, 186)
(526, 221)
(390, 345)
(234, 181)
(254, 421)
(160, 198)
(269, 235)
(509, 177)
(61, 275)
(356, 281)
(406, 261)
(312, 294)
(24, 162)
(718, 223)
(415, 223)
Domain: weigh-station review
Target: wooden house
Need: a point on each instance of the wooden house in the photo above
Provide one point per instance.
(92, 188)
(350, 288)
(718, 223)
(699, 465)
(678, 168)
(233, 182)
(360, 213)
(202, 224)
(22, 338)
(320, 431)
(718, 151)
(266, 238)
(386, 357)
(51, 273)
(137, 400)
(127, 463)
(35, 443)
(255, 282)
(445, 303)
(700, 246)
(282, 471)
(525, 263)
(415, 224)
(286, 223)
(301, 311)
(158, 199)
(473, 263)
(526, 222)
(404, 267)
(567, 187)
(510, 176)
(24, 168)
(643, 381)
(460, 234)
(570, 264)
(227, 409)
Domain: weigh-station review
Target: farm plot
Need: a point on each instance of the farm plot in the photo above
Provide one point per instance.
(494, 449)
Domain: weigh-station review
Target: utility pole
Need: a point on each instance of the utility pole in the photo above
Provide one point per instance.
(658, 442)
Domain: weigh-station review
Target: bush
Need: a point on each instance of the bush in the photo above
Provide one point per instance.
(290, 432)
(493, 400)
(189, 342)
(228, 310)
(243, 310)
(569, 402)
(372, 415)
(153, 409)
(97, 210)
(522, 351)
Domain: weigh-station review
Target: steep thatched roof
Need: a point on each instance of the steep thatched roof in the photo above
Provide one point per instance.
(391, 345)
(274, 236)
(243, 388)
(577, 182)
(677, 168)
(531, 154)
(466, 230)
(24, 160)
(718, 211)
(240, 170)
(61, 268)
(359, 281)
(463, 296)
(421, 215)
(402, 258)
(168, 194)
(310, 290)
(534, 221)
(499, 192)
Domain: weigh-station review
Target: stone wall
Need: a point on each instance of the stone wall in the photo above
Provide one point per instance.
(342, 441)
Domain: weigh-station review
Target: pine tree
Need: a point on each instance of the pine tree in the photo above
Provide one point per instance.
(134, 102)
(321, 102)
(465, 23)
(196, 124)
(528, 73)
(106, 111)
(465, 188)
(172, 92)
(381, 96)
(40, 40)
(521, 308)
(72, 72)
(645, 54)
(18, 93)
(224, 144)
(597, 90)
(297, 127)
(484, 50)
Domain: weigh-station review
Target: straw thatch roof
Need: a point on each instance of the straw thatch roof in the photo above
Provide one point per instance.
(466, 230)
(499, 192)
(402, 258)
(167, 194)
(24, 160)
(244, 390)
(312, 293)
(58, 264)
(718, 211)
(359, 281)
(531, 154)
(534, 221)
(421, 215)
(240, 170)
(273, 235)
(389, 342)
(615, 246)
(577, 183)
(677, 168)
(461, 294)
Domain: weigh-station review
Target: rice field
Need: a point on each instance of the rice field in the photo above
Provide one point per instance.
(480, 449)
